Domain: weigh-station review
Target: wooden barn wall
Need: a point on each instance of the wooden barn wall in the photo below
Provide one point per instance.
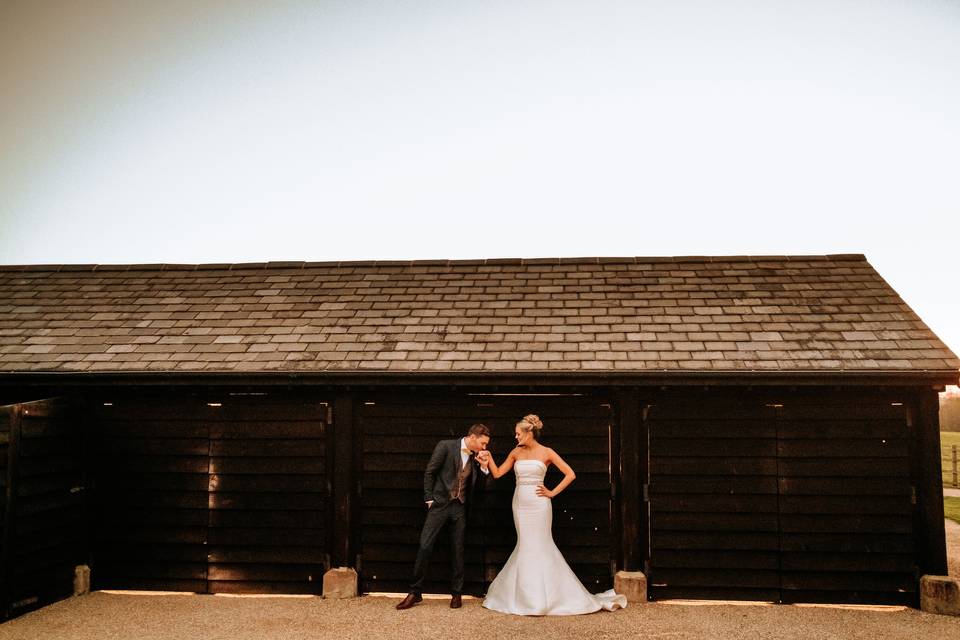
(210, 492)
(44, 524)
(8, 417)
(846, 512)
(269, 496)
(801, 496)
(713, 498)
(151, 474)
(398, 434)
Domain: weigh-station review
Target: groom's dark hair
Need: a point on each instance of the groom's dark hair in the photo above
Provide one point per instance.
(479, 429)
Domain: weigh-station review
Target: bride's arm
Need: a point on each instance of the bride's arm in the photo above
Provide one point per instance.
(568, 476)
(498, 472)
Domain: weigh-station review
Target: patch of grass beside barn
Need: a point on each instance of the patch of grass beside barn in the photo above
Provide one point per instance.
(951, 508)
(947, 439)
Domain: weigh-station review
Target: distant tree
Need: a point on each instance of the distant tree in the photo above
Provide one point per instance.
(950, 413)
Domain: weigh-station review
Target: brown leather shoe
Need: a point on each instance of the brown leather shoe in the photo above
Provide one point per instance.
(456, 601)
(409, 601)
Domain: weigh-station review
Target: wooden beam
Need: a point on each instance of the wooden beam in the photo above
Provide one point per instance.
(10, 506)
(343, 450)
(52, 383)
(632, 513)
(616, 493)
(929, 531)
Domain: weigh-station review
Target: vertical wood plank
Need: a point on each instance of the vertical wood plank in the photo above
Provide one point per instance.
(931, 538)
(10, 507)
(633, 531)
(616, 489)
(341, 457)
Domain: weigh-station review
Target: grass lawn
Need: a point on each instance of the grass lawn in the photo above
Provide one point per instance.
(951, 508)
(948, 438)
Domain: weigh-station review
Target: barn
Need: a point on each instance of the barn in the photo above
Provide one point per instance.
(758, 427)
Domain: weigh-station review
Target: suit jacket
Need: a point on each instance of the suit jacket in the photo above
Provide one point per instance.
(442, 472)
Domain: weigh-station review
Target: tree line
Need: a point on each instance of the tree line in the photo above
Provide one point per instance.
(950, 413)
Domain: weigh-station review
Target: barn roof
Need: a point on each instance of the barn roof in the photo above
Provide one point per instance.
(714, 314)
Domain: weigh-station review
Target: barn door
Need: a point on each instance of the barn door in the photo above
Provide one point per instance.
(151, 471)
(43, 503)
(268, 495)
(220, 492)
(713, 498)
(800, 496)
(398, 434)
(846, 515)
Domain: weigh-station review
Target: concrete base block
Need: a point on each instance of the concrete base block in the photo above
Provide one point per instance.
(632, 584)
(940, 594)
(340, 583)
(81, 580)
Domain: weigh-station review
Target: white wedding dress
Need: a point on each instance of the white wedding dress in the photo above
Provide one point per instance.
(536, 581)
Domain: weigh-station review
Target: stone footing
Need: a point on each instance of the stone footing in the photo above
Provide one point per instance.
(940, 594)
(81, 580)
(632, 584)
(340, 583)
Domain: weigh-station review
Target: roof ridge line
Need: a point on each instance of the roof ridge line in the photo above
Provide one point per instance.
(230, 266)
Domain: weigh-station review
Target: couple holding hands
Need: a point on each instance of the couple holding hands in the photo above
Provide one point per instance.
(536, 579)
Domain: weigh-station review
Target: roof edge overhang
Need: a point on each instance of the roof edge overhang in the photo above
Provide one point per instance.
(442, 262)
(472, 378)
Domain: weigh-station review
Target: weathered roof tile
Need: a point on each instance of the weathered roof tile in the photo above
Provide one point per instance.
(785, 313)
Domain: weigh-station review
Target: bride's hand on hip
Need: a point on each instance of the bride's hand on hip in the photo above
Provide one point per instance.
(543, 492)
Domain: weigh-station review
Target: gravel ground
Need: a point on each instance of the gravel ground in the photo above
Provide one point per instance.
(125, 616)
(105, 616)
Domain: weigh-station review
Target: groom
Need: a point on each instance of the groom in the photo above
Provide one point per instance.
(452, 475)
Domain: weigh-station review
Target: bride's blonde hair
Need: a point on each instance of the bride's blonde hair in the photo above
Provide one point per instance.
(532, 424)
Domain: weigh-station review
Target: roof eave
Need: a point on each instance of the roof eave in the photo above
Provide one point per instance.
(487, 378)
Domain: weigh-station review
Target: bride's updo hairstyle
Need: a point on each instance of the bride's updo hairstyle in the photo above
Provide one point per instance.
(532, 424)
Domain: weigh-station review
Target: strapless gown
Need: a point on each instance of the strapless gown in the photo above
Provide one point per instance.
(536, 581)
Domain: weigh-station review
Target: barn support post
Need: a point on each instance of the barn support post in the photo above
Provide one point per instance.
(343, 457)
(81, 405)
(931, 539)
(10, 507)
(632, 477)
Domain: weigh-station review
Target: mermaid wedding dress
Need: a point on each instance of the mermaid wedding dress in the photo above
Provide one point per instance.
(536, 581)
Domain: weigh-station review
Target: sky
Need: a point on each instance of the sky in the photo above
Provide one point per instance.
(189, 132)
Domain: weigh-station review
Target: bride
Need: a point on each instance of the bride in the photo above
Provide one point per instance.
(536, 581)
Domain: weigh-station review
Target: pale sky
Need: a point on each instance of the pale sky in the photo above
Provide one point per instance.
(142, 131)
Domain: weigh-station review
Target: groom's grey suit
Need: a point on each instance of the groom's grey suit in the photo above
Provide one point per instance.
(450, 485)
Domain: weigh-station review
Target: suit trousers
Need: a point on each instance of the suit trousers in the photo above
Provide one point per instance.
(455, 513)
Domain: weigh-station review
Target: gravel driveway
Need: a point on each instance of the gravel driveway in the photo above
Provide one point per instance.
(104, 616)
(108, 616)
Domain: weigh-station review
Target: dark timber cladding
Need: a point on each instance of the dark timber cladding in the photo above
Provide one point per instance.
(783, 496)
(741, 427)
(215, 492)
(398, 435)
(44, 528)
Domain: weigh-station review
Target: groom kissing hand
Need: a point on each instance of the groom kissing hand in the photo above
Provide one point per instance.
(451, 477)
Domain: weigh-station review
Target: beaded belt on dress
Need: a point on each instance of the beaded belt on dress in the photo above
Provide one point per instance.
(529, 482)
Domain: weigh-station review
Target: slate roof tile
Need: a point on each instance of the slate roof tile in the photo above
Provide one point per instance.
(785, 313)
